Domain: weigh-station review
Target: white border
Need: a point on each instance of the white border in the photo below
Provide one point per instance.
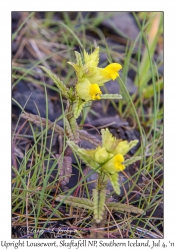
(5, 93)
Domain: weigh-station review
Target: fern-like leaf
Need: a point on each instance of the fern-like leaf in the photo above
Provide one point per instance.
(65, 169)
(111, 96)
(77, 108)
(57, 81)
(42, 121)
(78, 59)
(131, 160)
(75, 129)
(68, 129)
(75, 202)
(124, 208)
(90, 138)
(86, 159)
(115, 182)
(99, 204)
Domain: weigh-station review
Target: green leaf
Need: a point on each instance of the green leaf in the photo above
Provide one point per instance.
(42, 121)
(133, 144)
(78, 69)
(57, 81)
(99, 204)
(77, 108)
(64, 168)
(111, 96)
(90, 138)
(72, 129)
(124, 208)
(68, 129)
(78, 59)
(108, 140)
(148, 92)
(132, 160)
(75, 129)
(150, 36)
(86, 159)
(114, 181)
(75, 202)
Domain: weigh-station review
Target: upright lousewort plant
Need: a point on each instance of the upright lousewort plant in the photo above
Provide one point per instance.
(90, 77)
(88, 82)
(108, 158)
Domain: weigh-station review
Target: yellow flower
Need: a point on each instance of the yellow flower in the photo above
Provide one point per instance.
(116, 146)
(90, 71)
(88, 91)
(96, 74)
(111, 71)
(110, 163)
(114, 164)
(108, 158)
(111, 154)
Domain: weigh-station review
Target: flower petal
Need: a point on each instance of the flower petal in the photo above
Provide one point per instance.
(111, 71)
(115, 164)
(87, 91)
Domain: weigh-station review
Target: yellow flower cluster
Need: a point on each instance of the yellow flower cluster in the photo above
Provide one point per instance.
(111, 153)
(90, 77)
(112, 163)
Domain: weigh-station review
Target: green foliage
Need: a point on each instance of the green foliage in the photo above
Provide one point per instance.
(85, 158)
(124, 208)
(98, 204)
(75, 129)
(75, 202)
(57, 81)
(150, 36)
(69, 131)
(148, 92)
(78, 59)
(110, 96)
(78, 107)
(132, 160)
(90, 138)
(115, 182)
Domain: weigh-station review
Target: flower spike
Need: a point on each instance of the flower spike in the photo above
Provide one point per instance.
(107, 159)
(92, 72)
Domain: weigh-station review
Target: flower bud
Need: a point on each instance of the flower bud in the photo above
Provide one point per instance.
(101, 155)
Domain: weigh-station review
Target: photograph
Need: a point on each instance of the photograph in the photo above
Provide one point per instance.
(87, 121)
